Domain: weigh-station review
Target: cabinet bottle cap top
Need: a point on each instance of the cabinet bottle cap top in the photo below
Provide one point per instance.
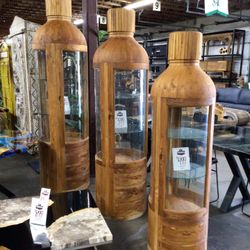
(121, 20)
(59, 9)
(185, 45)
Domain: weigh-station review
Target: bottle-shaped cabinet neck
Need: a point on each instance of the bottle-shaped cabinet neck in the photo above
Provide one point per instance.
(185, 47)
(59, 10)
(121, 22)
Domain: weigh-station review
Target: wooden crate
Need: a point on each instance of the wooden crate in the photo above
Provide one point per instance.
(215, 66)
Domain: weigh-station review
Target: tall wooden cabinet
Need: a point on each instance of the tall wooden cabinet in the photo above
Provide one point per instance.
(121, 71)
(182, 149)
(62, 60)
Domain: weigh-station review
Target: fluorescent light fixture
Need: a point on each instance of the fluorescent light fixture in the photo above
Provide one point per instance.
(139, 4)
(78, 21)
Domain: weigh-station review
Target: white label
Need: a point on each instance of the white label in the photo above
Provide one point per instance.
(103, 20)
(181, 159)
(216, 7)
(66, 105)
(4, 54)
(38, 214)
(157, 6)
(121, 122)
(45, 194)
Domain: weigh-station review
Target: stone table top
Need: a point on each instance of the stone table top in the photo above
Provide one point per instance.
(15, 211)
(74, 220)
(84, 228)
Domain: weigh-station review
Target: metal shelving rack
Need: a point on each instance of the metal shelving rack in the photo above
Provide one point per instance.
(235, 40)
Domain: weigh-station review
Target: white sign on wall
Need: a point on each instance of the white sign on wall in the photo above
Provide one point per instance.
(157, 6)
(103, 20)
(216, 7)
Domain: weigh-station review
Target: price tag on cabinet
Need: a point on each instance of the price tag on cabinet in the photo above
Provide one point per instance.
(66, 105)
(181, 159)
(121, 123)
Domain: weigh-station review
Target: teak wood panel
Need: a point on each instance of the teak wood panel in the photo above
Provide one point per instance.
(209, 154)
(77, 164)
(127, 198)
(55, 77)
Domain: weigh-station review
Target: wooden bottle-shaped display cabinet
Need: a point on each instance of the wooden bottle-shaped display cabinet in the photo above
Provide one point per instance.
(121, 70)
(62, 58)
(183, 106)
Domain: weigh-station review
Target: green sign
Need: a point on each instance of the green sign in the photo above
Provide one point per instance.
(216, 7)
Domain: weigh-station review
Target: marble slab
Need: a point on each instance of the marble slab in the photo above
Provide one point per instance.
(80, 229)
(15, 211)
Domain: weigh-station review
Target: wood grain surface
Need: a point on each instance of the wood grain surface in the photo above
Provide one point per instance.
(64, 159)
(178, 218)
(124, 197)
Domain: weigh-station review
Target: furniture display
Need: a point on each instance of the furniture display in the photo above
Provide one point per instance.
(221, 51)
(7, 85)
(182, 148)
(25, 75)
(83, 224)
(64, 142)
(234, 98)
(121, 72)
(235, 143)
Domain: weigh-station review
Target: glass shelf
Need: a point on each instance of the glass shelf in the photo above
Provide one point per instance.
(128, 96)
(197, 171)
(121, 131)
(187, 133)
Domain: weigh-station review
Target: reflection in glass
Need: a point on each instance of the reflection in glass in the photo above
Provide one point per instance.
(130, 114)
(44, 115)
(75, 95)
(186, 163)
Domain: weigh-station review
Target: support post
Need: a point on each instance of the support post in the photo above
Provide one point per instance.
(89, 12)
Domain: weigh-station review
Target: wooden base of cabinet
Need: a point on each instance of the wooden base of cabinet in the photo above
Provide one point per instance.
(177, 230)
(75, 172)
(121, 186)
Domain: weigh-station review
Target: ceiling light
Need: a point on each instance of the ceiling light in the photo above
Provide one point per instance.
(139, 4)
(78, 21)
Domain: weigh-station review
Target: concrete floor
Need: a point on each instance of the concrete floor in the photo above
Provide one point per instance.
(227, 231)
